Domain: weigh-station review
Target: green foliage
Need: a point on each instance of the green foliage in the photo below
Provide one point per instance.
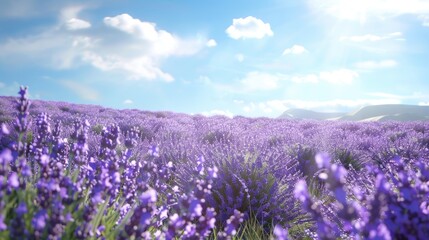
(348, 159)
(30, 137)
(69, 110)
(216, 136)
(252, 229)
(275, 141)
(249, 183)
(298, 231)
(145, 133)
(97, 129)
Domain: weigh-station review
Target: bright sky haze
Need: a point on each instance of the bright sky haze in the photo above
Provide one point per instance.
(249, 58)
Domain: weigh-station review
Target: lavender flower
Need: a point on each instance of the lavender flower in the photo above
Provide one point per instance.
(21, 124)
(13, 180)
(280, 233)
(233, 223)
(154, 151)
(212, 173)
(3, 226)
(39, 220)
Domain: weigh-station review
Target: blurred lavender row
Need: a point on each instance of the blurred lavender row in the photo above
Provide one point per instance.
(86, 172)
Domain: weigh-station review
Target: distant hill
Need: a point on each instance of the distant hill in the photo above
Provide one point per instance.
(308, 114)
(394, 112)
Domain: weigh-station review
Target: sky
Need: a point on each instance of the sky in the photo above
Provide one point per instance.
(248, 58)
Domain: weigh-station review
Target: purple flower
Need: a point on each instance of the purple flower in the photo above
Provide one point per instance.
(21, 209)
(116, 177)
(53, 185)
(381, 233)
(23, 91)
(190, 230)
(280, 233)
(21, 123)
(26, 171)
(339, 172)
(4, 129)
(301, 190)
(44, 160)
(148, 197)
(212, 172)
(3, 226)
(322, 160)
(100, 230)
(176, 221)
(154, 151)
(200, 165)
(233, 223)
(5, 157)
(13, 180)
(145, 219)
(39, 220)
(69, 218)
(97, 198)
(195, 208)
(340, 194)
(424, 206)
(131, 137)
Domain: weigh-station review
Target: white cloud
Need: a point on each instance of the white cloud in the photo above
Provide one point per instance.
(205, 80)
(34, 8)
(239, 57)
(338, 76)
(349, 103)
(137, 68)
(384, 95)
(425, 20)
(17, 9)
(376, 64)
(128, 101)
(295, 49)
(70, 12)
(218, 112)
(372, 37)
(52, 48)
(85, 92)
(423, 103)
(249, 27)
(361, 10)
(415, 95)
(211, 43)
(9, 89)
(137, 50)
(271, 107)
(251, 82)
(277, 106)
(259, 81)
(161, 42)
(256, 81)
(84, 42)
(309, 78)
(128, 24)
(77, 24)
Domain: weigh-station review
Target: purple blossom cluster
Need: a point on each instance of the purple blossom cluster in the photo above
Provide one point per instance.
(395, 207)
(56, 183)
(86, 172)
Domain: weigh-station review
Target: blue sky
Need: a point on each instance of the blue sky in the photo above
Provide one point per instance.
(249, 58)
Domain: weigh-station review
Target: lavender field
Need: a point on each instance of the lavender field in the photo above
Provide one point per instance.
(85, 172)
